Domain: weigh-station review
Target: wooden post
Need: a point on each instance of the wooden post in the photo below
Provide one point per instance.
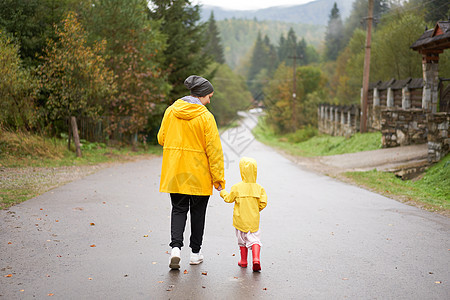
(76, 137)
(366, 69)
(294, 91)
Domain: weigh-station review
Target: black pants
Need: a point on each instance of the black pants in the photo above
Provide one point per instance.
(181, 204)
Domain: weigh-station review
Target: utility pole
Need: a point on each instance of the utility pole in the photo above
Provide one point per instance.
(294, 91)
(363, 125)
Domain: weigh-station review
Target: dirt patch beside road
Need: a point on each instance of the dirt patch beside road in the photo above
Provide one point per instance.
(20, 184)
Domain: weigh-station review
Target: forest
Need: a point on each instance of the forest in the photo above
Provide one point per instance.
(121, 63)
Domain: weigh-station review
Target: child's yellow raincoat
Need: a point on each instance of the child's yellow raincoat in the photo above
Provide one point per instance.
(249, 197)
(192, 157)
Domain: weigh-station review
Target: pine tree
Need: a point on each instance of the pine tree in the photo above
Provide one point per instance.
(185, 54)
(289, 47)
(334, 36)
(214, 46)
(437, 10)
(359, 12)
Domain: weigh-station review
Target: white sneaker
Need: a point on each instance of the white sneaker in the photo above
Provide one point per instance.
(196, 258)
(175, 257)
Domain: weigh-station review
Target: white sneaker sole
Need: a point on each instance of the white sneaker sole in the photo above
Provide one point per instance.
(196, 262)
(174, 262)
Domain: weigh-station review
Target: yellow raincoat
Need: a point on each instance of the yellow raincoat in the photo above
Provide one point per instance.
(192, 155)
(249, 197)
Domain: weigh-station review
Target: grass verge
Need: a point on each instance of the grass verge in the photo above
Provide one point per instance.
(31, 164)
(319, 145)
(431, 192)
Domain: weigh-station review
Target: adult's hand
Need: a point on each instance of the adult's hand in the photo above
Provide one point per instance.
(219, 188)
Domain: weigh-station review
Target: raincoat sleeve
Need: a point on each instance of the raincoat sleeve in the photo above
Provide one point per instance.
(228, 197)
(262, 203)
(163, 128)
(214, 152)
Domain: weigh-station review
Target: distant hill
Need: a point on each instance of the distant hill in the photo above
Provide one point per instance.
(315, 12)
(239, 35)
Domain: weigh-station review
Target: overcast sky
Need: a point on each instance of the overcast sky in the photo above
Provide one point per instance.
(249, 4)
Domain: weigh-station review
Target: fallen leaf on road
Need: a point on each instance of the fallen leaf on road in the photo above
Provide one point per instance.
(90, 278)
(264, 289)
(203, 287)
(104, 202)
(41, 209)
(93, 245)
(56, 220)
(50, 294)
(22, 290)
(438, 282)
(92, 224)
(9, 275)
(186, 271)
(146, 235)
(160, 281)
(233, 254)
(204, 273)
(9, 243)
(154, 263)
(236, 277)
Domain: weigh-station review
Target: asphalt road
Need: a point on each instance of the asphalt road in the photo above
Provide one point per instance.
(106, 237)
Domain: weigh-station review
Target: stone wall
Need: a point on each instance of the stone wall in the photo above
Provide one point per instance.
(401, 127)
(438, 136)
(338, 120)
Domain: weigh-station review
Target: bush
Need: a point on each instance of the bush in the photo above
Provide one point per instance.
(302, 135)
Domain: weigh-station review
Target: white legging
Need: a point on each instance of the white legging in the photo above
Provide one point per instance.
(247, 239)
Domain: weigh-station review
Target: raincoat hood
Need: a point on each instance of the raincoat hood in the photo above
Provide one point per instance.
(248, 169)
(187, 111)
(248, 187)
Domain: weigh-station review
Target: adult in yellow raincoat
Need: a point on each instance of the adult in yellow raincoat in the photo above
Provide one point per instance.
(192, 164)
(249, 199)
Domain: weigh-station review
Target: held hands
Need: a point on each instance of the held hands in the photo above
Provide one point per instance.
(219, 188)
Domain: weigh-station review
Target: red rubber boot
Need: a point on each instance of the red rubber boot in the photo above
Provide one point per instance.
(256, 260)
(243, 262)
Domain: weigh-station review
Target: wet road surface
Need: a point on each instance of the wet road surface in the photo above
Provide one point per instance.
(106, 237)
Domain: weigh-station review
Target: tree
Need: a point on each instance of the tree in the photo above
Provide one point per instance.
(186, 41)
(391, 53)
(31, 22)
(334, 34)
(74, 75)
(263, 63)
(358, 15)
(349, 70)
(214, 46)
(231, 94)
(17, 87)
(134, 49)
(279, 101)
(437, 10)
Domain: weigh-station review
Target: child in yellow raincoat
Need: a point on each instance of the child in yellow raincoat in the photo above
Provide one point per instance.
(249, 199)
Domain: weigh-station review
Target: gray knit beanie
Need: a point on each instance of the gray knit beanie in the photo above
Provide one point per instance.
(198, 86)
